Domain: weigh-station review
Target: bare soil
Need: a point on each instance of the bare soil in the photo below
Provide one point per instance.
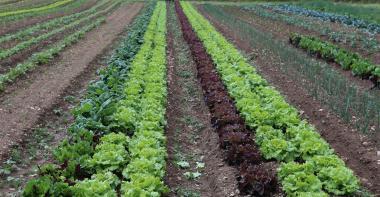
(359, 153)
(32, 97)
(28, 21)
(190, 135)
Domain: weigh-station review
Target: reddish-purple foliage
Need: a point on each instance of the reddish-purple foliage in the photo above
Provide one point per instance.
(257, 180)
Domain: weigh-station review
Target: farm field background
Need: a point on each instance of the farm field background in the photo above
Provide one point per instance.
(189, 98)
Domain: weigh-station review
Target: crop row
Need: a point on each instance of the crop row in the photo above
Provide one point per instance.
(23, 45)
(95, 126)
(325, 16)
(53, 5)
(49, 24)
(143, 110)
(330, 52)
(309, 166)
(353, 38)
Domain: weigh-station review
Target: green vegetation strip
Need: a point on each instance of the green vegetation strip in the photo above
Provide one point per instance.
(309, 166)
(100, 158)
(49, 24)
(53, 5)
(330, 52)
(46, 55)
(23, 45)
(143, 112)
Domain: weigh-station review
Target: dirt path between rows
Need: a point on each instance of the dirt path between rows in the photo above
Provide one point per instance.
(20, 110)
(355, 149)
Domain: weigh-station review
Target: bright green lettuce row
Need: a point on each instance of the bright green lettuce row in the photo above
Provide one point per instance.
(110, 154)
(143, 113)
(348, 60)
(280, 132)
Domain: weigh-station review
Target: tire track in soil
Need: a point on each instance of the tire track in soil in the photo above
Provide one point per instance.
(21, 110)
(255, 177)
(355, 149)
(190, 135)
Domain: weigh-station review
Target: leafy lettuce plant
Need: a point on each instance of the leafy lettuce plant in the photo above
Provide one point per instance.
(101, 184)
(110, 154)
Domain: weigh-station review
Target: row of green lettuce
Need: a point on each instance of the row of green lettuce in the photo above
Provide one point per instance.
(309, 166)
(93, 160)
(143, 112)
(346, 59)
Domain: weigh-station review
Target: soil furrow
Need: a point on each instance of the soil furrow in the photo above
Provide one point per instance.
(31, 98)
(234, 136)
(357, 150)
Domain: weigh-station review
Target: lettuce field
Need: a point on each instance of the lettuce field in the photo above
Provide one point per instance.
(189, 98)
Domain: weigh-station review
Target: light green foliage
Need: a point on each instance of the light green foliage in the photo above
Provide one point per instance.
(110, 154)
(101, 184)
(143, 112)
(348, 60)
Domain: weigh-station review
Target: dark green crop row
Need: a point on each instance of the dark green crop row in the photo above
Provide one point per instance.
(346, 59)
(93, 143)
(309, 166)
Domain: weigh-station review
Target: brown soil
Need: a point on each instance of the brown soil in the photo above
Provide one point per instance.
(189, 131)
(28, 21)
(358, 151)
(31, 98)
(22, 55)
(281, 31)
